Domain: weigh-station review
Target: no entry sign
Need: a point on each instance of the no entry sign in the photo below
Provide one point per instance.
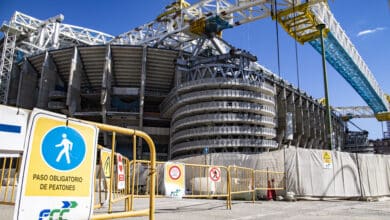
(215, 174)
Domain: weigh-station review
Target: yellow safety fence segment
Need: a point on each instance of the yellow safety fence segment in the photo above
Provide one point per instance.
(269, 180)
(241, 181)
(9, 179)
(115, 192)
(140, 185)
(206, 181)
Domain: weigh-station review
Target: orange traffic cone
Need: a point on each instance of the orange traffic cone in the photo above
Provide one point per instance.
(269, 191)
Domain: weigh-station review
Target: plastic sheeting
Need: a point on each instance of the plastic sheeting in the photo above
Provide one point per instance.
(309, 173)
(272, 160)
(375, 174)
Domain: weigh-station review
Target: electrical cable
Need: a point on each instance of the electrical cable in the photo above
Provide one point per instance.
(277, 37)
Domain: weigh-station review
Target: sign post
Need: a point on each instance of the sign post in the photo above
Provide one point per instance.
(57, 172)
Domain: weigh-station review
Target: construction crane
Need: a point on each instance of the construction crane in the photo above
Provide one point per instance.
(190, 27)
(196, 28)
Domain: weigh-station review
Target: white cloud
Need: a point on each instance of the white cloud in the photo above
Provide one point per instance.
(370, 31)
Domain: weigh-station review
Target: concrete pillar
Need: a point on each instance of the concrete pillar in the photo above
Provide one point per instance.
(105, 99)
(299, 130)
(306, 122)
(27, 91)
(281, 115)
(14, 84)
(73, 98)
(313, 126)
(142, 96)
(47, 82)
(317, 130)
(290, 125)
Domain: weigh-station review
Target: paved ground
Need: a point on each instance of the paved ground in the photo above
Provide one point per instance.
(198, 209)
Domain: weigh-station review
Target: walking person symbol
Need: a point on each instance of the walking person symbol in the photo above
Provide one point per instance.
(63, 148)
(67, 146)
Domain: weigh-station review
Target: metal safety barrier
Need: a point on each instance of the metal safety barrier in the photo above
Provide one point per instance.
(207, 181)
(241, 181)
(139, 183)
(9, 178)
(105, 182)
(115, 194)
(269, 180)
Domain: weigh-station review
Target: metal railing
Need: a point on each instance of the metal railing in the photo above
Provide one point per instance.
(207, 181)
(241, 181)
(116, 195)
(9, 179)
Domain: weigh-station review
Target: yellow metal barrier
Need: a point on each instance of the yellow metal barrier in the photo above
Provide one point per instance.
(9, 179)
(104, 183)
(241, 181)
(207, 181)
(269, 180)
(116, 195)
(139, 179)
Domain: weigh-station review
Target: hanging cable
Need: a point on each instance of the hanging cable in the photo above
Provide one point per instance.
(296, 48)
(277, 36)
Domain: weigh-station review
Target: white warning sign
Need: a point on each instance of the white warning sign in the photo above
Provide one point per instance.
(121, 172)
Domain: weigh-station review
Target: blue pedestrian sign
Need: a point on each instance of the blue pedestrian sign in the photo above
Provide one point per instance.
(63, 148)
(57, 173)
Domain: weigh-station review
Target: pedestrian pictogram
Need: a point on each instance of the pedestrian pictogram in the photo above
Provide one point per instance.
(67, 146)
(63, 148)
(215, 174)
(57, 177)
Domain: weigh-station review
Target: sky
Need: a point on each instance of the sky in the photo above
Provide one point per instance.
(367, 23)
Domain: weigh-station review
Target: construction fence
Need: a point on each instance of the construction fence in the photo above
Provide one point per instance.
(185, 180)
(314, 172)
(199, 181)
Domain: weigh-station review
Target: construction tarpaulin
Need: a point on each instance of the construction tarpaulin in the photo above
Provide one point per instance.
(316, 173)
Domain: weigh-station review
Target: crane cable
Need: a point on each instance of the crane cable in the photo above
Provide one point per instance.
(296, 47)
(277, 36)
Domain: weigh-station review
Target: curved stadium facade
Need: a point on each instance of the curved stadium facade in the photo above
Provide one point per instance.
(217, 103)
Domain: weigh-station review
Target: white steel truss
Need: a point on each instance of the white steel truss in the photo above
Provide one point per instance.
(355, 111)
(27, 35)
(7, 57)
(172, 28)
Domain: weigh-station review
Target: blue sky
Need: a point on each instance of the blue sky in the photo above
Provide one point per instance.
(366, 24)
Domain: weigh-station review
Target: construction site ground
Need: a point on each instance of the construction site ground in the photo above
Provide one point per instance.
(197, 209)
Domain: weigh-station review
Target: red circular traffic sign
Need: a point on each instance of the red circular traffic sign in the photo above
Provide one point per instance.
(215, 174)
(174, 172)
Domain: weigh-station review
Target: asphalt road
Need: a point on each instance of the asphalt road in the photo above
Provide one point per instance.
(198, 209)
